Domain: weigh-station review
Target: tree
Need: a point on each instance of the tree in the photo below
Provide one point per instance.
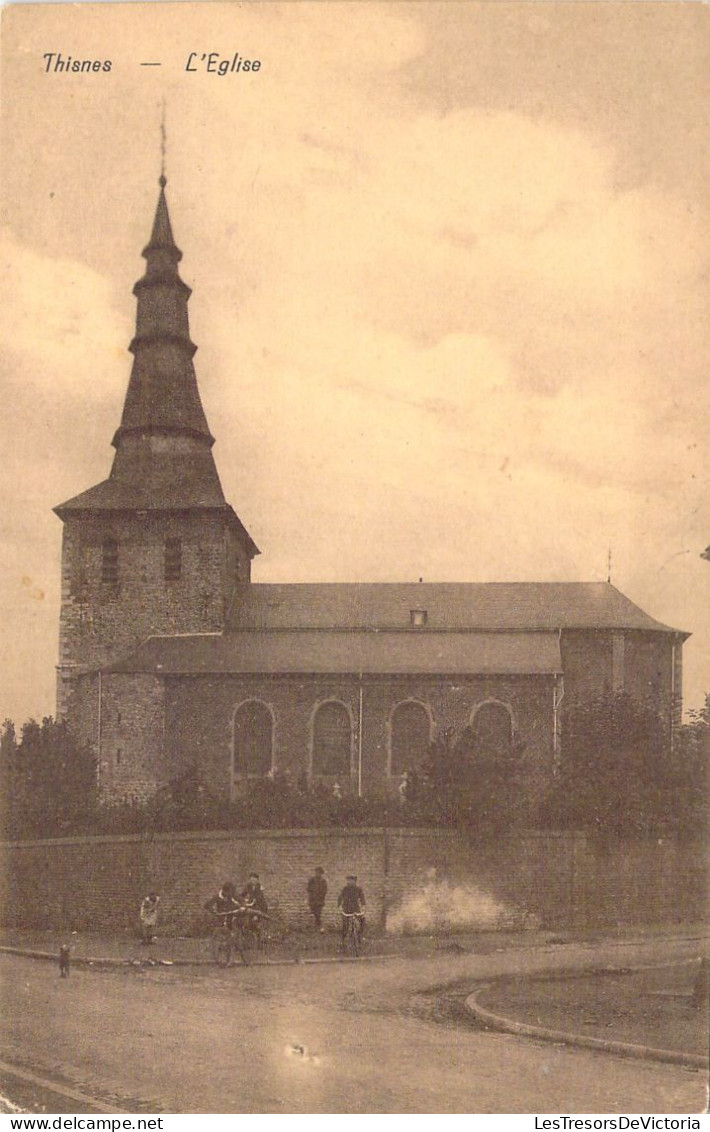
(688, 777)
(619, 772)
(469, 787)
(48, 778)
(8, 772)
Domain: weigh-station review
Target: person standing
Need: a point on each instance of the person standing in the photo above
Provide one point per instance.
(149, 917)
(252, 895)
(317, 890)
(225, 905)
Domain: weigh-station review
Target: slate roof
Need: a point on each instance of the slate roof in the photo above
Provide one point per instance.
(496, 606)
(153, 483)
(373, 652)
(163, 458)
(162, 391)
(163, 445)
(487, 628)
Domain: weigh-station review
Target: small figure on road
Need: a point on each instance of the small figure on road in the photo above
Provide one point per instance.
(149, 917)
(317, 890)
(337, 791)
(64, 960)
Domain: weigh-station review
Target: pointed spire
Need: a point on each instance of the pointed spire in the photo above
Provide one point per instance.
(163, 459)
(162, 234)
(162, 253)
(162, 393)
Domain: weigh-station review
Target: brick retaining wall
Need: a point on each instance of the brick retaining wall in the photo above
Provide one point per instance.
(96, 883)
(567, 880)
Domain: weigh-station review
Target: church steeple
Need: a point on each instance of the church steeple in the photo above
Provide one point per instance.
(162, 393)
(155, 548)
(163, 443)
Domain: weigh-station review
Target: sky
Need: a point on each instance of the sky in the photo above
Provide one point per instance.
(450, 289)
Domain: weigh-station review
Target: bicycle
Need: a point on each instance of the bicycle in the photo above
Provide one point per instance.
(242, 937)
(226, 940)
(253, 925)
(352, 938)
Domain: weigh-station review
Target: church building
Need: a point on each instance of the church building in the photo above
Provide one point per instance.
(171, 660)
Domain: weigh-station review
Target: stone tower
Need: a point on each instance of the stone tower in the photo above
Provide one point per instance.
(155, 548)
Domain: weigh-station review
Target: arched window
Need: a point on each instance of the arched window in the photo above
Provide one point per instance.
(410, 736)
(332, 740)
(492, 732)
(253, 739)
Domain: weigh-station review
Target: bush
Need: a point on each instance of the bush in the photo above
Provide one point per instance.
(267, 803)
(618, 775)
(462, 787)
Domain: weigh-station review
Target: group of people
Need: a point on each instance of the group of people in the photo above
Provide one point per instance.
(351, 901)
(249, 907)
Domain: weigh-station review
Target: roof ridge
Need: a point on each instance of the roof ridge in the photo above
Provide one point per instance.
(423, 585)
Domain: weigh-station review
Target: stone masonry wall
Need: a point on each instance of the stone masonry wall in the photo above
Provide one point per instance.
(102, 621)
(132, 723)
(596, 662)
(199, 716)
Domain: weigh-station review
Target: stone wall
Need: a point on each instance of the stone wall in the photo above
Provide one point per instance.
(567, 880)
(600, 661)
(102, 621)
(130, 762)
(199, 712)
(154, 728)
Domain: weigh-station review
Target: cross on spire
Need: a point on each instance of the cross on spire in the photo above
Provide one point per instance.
(163, 145)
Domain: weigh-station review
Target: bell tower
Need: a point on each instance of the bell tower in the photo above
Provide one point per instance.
(155, 548)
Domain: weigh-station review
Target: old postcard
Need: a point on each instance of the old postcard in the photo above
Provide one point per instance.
(356, 579)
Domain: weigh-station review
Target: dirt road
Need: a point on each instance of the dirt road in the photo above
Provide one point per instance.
(308, 1039)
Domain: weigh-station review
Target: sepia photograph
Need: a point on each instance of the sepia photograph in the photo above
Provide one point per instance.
(355, 560)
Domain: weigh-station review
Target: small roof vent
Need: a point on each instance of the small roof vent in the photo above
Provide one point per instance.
(418, 618)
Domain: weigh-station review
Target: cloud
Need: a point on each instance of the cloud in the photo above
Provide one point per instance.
(59, 318)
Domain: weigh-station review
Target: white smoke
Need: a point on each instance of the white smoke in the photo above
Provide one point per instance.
(442, 906)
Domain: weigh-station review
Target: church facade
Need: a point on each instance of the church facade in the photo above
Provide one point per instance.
(171, 660)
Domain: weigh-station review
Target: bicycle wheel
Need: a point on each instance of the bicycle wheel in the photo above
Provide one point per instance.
(222, 947)
(352, 938)
(246, 944)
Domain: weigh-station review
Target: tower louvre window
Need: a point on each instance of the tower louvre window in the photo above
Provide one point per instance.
(173, 559)
(109, 560)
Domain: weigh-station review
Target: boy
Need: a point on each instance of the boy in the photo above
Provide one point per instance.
(317, 889)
